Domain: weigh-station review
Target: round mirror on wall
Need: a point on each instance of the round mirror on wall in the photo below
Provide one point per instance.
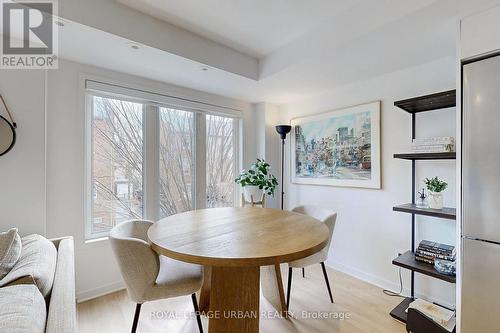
(7, 136)
(7, 130)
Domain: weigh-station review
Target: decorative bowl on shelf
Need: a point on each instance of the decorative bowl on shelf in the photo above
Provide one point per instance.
(446, 267)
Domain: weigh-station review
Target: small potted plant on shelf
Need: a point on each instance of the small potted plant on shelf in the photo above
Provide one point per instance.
(436, 188)
(257, 181)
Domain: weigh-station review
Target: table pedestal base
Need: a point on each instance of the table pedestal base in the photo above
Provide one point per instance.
(234, 300)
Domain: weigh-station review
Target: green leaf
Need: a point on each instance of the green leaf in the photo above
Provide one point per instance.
(435, 185)
(258, 175)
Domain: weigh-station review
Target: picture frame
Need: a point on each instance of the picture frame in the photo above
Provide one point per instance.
(338, 148)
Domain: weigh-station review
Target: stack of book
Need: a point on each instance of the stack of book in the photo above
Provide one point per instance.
(443, 317)
(427, 251)
(443, 144)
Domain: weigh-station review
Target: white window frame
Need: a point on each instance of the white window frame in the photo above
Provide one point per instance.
(152, 101)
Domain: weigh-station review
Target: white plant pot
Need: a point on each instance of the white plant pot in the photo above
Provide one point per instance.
(435, 200)
(252, 192)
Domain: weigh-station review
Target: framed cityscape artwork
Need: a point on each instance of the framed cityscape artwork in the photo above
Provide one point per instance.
(338, 148)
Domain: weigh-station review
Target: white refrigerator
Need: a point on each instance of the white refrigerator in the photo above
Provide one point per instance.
(480, 286)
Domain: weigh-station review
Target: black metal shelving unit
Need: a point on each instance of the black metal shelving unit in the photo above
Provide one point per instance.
(407, 260)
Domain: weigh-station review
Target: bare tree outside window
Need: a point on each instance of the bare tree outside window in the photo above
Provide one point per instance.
(220, 161)
(176, 161)
(117, 162)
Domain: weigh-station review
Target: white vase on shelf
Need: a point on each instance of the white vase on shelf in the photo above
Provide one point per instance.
(435, 200)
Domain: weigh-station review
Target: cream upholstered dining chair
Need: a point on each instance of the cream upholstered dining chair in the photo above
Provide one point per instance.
(328, 217)
(147, 275)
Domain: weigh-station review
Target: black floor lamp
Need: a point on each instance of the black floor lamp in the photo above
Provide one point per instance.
(283, 130)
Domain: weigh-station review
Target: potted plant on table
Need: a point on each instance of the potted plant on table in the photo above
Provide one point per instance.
(436, 188)
(257, 181)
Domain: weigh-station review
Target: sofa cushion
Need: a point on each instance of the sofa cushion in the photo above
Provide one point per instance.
(22, 309)
(10, 250)
(36, 265)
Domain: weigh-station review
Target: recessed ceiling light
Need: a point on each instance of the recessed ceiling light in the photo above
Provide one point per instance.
(134, 46)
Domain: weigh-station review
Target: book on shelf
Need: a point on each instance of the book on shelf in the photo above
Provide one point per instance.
(444, 144)
(443, 317)
(432, 256)
(427, 261)
(436, 247)
(435, 251)
(441, 148)
(433, 141)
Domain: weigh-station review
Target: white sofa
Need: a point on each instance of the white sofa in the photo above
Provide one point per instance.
(38, 294)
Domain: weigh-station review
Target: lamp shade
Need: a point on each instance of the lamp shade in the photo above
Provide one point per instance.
(283, 130)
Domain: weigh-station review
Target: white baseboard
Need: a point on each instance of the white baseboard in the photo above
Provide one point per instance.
(380, 282)
(86, 295)
(363, 276)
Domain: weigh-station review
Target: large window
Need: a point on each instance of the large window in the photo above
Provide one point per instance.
(148, 160)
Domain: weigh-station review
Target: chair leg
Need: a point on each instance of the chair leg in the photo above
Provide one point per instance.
(197, 312)
(303, 272)
(327, 282)
(289, 288)
(136, 317)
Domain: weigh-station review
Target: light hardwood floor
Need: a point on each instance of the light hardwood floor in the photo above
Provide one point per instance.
(367, 307)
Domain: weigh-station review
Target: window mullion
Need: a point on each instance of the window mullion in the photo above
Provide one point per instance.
(200, 188)
(151, 166)
(89, 175)
(236, 160)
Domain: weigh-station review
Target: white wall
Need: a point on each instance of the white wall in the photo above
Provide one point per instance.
(479, 34)
(368, 233)
(22, 170)
(267, 116)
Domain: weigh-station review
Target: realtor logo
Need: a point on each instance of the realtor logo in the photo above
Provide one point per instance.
(29, 38)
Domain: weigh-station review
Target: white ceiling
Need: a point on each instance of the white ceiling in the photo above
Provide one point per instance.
(313, 50)
(254, 27)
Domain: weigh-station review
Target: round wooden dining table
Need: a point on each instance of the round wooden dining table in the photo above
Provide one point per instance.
(234, 245)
